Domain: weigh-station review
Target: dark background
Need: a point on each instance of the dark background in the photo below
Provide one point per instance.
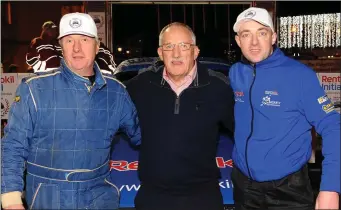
(135, 26)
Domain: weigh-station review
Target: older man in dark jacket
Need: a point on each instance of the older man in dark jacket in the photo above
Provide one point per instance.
(181, 106)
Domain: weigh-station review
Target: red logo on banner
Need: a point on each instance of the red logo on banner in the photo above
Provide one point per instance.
(122, 165)
(7, 79)
(221, 163)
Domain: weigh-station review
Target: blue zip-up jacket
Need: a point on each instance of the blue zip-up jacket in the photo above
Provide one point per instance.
(278, 100)
(60, 121)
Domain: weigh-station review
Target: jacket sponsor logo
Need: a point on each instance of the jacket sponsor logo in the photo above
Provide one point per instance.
(7, 79)
(17, 99)
(4, 107)
(322, 99)
(123, 165)
(238, 96)
(268, 102)
(271, 92)
(239, 93)
(328, 108)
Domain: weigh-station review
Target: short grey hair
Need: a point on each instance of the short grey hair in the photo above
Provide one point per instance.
(179, 25)
(96, 39)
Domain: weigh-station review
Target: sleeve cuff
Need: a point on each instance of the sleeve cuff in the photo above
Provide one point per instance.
(11, 198)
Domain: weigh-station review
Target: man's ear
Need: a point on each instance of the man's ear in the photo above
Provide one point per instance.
(97, 47)
(273, 38)
(196, 52)
(159, 51)
(236, 37)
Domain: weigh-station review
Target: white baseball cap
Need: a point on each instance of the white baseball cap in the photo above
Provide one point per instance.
(260, 15)
(77, 23)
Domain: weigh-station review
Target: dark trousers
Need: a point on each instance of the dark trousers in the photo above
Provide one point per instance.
(292, 192)
(205, 196)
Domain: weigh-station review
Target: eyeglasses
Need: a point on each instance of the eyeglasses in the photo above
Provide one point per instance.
(182, 45)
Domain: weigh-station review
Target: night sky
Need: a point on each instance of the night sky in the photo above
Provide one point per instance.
(291, 8)
(139, 22)
(131, 21)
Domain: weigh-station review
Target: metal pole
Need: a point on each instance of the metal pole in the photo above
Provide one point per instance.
(204, 18)
(184, 9)
(193, 22)
(228, 26)
(158, 17)
(215, 17)
(171, 14)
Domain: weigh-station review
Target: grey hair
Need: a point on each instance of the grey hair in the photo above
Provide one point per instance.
(180, 25)
(96, 39)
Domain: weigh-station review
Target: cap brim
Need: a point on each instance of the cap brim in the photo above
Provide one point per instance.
(236, 25)
(76, 33)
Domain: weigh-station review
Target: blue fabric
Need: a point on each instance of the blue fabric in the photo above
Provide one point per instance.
(61, 122)
(49, 194)
(287, 100)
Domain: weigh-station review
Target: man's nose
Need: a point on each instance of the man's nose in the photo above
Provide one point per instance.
(76, 46)
(176, 51)
(254, 40)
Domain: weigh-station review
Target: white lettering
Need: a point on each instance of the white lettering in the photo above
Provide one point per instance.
(130, 187)
(226, 184)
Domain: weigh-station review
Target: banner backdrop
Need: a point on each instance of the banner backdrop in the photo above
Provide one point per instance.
(331, 85)
(124, 164)
(324, 65)
(9, 84)
(99, 18)
(330, 82)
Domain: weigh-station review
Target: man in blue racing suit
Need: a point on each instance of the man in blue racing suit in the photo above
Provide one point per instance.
(61, 126)
(278, 100)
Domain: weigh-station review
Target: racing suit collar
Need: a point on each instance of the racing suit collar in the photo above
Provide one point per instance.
(99, 80)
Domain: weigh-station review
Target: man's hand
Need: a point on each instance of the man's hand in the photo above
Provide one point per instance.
(16, 206)
(327, 200)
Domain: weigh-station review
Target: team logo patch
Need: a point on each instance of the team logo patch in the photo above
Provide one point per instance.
(328, 108)
(250, 14)
(17, 99)
(75, 23)
(322, 99)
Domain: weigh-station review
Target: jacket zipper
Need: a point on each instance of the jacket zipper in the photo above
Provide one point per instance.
(89, 87)
(177, 99)
(177, 104)
(252, 118)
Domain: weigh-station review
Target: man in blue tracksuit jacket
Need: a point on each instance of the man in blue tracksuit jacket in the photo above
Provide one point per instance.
(278, 100)
(61, 127)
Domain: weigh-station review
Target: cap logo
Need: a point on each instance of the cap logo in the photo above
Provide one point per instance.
(75, 23)
(250, 14)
